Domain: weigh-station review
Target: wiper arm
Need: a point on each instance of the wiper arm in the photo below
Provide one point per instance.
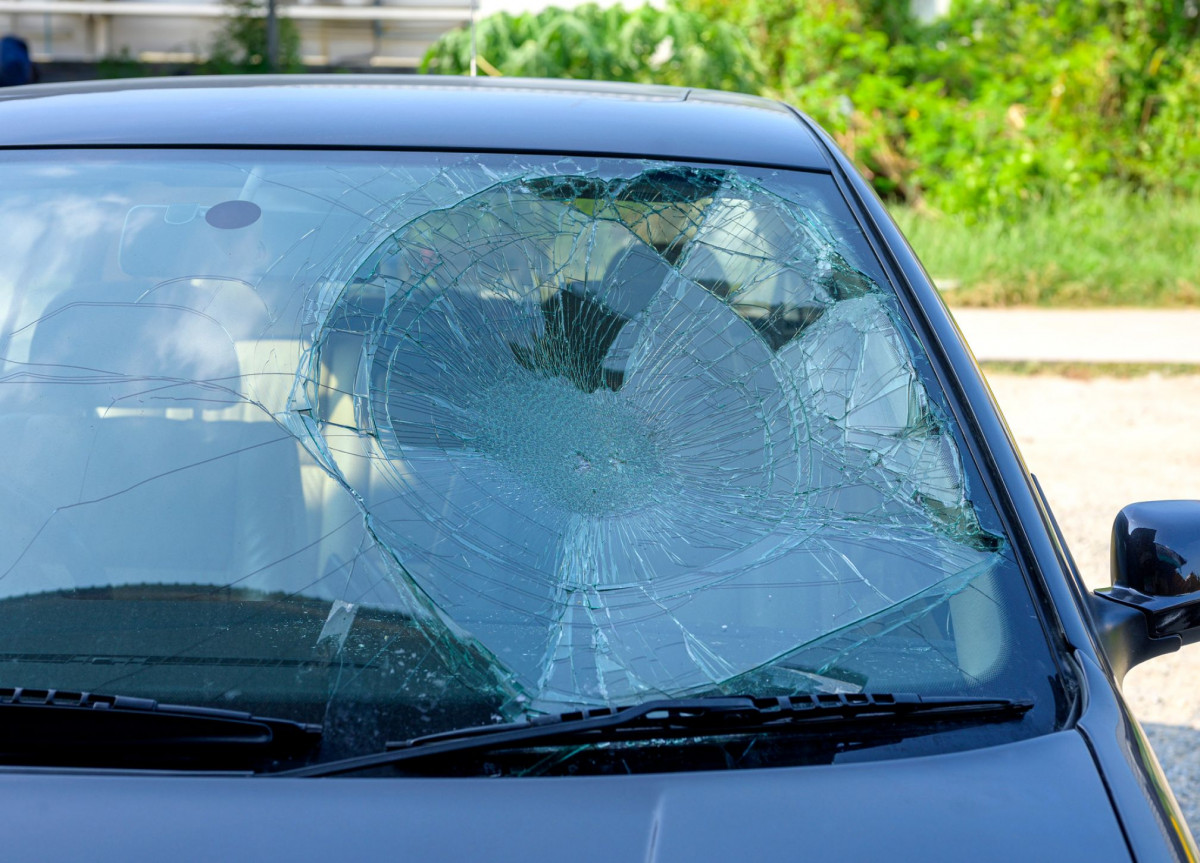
(81, 729)
(694, 717)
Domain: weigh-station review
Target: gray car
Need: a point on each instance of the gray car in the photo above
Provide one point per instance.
(461, 469)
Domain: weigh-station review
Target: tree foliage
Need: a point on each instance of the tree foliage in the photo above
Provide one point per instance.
(240, 46)
(999, 103)
(611, 44)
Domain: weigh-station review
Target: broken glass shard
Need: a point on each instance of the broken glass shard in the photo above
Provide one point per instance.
(639, 432)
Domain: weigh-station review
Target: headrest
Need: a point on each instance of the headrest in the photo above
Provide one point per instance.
(88, 353)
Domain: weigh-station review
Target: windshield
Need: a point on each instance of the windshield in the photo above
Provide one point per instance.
(405, 442)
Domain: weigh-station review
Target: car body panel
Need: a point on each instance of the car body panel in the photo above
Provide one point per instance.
(447, 114)
(1118, 741)
(1035, 799)
(1093, 791)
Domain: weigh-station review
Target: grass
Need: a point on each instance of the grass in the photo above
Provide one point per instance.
(1107, 248)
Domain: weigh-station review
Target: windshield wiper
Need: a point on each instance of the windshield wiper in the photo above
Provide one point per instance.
(693, 717)
(80, 729)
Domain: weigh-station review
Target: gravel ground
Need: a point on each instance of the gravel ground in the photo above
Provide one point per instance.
(1096, 445)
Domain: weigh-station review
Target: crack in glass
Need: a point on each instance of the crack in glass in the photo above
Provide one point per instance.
(404, 443)
(642, 434)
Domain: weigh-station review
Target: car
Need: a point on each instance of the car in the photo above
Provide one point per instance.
(456, 469)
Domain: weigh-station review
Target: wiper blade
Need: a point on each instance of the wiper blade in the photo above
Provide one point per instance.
(694, 717)
(81, 729)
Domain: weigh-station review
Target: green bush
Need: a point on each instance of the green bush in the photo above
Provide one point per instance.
(612, 44)
(1000, 105)
(240, 46)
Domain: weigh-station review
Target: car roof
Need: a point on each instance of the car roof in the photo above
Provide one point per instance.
(412, 112)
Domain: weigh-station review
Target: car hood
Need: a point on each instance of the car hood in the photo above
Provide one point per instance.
(1035, 799)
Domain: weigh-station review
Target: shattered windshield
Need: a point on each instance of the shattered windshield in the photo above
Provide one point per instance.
(402, 442)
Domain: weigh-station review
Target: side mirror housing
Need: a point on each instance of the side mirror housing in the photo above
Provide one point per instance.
(1155, 573)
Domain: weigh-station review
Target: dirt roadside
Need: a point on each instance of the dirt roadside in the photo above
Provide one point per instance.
(1096, 445)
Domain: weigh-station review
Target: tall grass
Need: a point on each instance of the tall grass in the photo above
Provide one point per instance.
(1109, 247)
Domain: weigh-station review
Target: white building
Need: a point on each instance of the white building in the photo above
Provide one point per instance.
(333, 32)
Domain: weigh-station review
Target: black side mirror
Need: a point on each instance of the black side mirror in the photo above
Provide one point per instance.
(1155, 572)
